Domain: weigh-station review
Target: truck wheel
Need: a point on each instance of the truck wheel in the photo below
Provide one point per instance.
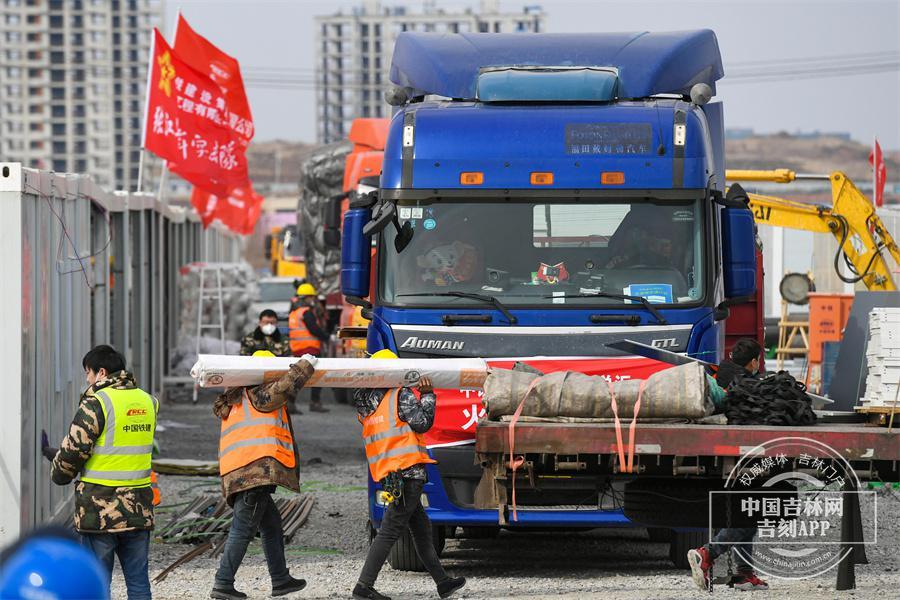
(403, 555)
(682, 541)
(480, 533)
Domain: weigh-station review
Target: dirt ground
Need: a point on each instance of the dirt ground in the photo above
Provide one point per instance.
(329, 550)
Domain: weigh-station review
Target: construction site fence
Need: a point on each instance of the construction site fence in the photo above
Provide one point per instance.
(81, 266)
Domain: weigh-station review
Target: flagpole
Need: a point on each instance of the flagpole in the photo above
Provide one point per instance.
(163, 178)
(875, 171)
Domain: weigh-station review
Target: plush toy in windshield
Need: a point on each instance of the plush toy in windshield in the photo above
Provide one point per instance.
(448, 264)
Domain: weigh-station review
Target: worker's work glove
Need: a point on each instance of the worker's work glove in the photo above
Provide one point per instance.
(46, 449)
(294, 379)
(312, 360)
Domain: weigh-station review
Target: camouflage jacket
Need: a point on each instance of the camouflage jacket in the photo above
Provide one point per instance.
(99, 507)
(417, 412)
(265, 398)
(256, 340)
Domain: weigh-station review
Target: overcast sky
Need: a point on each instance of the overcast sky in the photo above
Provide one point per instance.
(280, 34)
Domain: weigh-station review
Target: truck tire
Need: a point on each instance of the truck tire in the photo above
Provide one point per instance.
(682, 541)
(480, 532)
(403, 555)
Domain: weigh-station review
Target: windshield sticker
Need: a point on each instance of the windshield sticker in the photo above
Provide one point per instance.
(405, 212)
(682, 216)
(417, 212)
(429, 224)
(552, 274)
(559, 297)
(609, 138)
(657, 293)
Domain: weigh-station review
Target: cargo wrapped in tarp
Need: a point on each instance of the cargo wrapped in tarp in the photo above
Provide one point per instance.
(214, 370)
(321, 179)
(679, 392)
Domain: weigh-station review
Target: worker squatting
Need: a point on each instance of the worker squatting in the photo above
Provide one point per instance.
(108, 452)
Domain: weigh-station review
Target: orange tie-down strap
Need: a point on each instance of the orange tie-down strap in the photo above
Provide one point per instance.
(625, 466)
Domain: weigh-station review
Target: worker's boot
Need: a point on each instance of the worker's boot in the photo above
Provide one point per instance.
(450, 586)
(294, 585)
(227, 593)
(747, 581)
(701, 567)
(364, 592)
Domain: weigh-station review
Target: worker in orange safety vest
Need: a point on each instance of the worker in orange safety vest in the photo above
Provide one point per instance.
(308, 329)
(393, 423)
(257, 452)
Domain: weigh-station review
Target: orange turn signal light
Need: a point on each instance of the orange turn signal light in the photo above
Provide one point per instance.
(471, 178)
(542, 179)
(612, 178)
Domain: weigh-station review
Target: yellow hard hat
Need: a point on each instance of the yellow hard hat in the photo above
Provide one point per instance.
(384, 354)
(263, 353)
(306, 289)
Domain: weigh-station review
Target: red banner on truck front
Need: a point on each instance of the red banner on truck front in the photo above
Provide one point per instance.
(187, 124)
(458, 411)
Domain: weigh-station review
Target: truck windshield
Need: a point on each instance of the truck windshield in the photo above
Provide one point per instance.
(539, 252)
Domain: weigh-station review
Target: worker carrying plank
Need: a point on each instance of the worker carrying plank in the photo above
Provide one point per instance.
(393, 422)
(257, 452)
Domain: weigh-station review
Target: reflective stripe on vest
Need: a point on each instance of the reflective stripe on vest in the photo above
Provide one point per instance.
(300, 337)
(248, 434)
(122, 454)
(391, 444)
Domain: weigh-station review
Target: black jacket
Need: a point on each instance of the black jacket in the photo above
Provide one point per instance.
(728, 372)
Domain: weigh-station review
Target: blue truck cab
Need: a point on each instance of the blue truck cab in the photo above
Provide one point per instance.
(541, 196)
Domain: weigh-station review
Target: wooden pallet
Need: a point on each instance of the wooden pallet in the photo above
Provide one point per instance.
(881, 415)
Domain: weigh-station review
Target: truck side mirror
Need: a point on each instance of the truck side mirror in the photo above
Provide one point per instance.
(738, 252)
(331, 233)
(382, 215)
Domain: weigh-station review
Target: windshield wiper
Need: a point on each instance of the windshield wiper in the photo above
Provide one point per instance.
(473, 296)
(646, 303)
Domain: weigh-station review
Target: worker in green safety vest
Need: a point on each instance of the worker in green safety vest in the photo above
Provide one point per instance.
(109, 446)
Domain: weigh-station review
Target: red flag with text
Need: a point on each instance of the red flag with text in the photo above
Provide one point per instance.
(239, 211)
(186, 124)
(876, 159)
(224, 70)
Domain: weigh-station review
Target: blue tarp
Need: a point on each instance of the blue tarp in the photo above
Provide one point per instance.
(648, 63)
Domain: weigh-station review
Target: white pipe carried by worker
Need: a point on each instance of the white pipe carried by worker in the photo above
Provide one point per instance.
(217, 371)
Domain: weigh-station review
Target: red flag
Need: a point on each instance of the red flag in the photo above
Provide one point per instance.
(204, 57)
(876, 159)
(186, 123)
(239, 211)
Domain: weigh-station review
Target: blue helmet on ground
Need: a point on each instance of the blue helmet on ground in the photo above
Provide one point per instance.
(50, 564)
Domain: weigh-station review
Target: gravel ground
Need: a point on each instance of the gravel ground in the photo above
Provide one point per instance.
(329, 550)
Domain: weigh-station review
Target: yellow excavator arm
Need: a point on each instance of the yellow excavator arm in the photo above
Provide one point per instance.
(862, 237)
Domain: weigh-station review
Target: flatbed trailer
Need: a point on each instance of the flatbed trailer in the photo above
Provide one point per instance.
(675, 458)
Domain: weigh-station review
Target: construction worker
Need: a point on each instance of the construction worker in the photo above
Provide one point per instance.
(308, 332)
(266, 337)
(257, 452)
(393, 423)
(745, 360)
(109, 444)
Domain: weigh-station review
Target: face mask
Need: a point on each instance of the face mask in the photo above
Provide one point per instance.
(268, 329)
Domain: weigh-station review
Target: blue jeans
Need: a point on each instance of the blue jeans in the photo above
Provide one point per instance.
(254, 510)
(738, 539)
(133, 550)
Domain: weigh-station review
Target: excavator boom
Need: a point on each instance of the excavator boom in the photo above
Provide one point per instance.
(862, 237)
